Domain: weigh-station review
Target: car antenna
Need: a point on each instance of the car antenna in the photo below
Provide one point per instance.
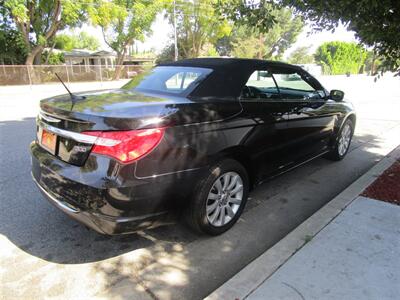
(73, 97)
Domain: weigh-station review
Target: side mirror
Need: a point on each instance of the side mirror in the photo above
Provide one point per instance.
(336, 95)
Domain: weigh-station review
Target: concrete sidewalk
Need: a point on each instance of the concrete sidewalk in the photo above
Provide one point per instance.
(347, 250)
(355, 257)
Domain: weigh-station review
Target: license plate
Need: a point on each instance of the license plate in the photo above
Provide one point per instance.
(48, 141)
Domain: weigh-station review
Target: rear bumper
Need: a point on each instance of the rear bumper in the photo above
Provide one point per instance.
(101, 223)
(107, 205)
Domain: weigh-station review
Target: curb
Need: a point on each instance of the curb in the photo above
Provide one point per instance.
(259, 270)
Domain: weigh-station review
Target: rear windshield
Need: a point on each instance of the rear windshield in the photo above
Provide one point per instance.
(169, 80)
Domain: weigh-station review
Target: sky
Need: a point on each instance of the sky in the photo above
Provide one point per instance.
(316, 39)
(162, 32)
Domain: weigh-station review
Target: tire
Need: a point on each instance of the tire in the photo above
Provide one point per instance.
(200, 214)
(337, 152)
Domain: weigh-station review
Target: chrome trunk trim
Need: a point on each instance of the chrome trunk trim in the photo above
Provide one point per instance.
(76, 136)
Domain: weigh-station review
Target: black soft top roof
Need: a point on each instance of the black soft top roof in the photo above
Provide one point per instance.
(229, 74)
(217, 63)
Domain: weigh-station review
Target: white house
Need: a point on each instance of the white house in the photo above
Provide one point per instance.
(89, 58)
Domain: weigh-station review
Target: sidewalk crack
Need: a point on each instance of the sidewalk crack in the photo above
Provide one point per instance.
(294, 289)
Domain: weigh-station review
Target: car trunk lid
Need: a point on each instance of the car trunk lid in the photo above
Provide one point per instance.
(112, 110)
(106, 110)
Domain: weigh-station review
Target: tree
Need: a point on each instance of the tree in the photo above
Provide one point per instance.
(208, 50)
(123, 22)
(372, 63)
(81, 41)
(39, 20)
(282, 35)
(52, 58)
(376, 23)
(12, 48)
(198, 23)
(86, 41)
(301, 56)
(271, 43)
(244, 45)
(340, 57)
(255, 14)
(166, 54)
(265, 26)
(64, 41)
(224, 45)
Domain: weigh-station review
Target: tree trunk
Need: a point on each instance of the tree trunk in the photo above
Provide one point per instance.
(30, 58)
(373, 71)
(38, 58)
(261, 46)
(49, 52)
(32, 54)
(120, 61)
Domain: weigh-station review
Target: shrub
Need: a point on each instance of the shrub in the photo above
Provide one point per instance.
(341, 57)
(54, 58)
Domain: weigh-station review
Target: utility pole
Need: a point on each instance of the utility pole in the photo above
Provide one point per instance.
(175, 36)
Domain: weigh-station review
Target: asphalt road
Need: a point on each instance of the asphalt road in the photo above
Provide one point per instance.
(45, 254)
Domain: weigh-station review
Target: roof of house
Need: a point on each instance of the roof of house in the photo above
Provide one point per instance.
(87, 53)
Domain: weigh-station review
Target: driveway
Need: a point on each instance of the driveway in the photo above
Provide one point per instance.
(46, 254)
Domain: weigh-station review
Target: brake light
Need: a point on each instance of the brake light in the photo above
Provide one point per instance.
(126, 146)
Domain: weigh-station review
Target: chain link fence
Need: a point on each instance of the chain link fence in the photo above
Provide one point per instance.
(40, 74)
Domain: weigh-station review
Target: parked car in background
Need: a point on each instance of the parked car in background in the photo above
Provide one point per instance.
(197, 134)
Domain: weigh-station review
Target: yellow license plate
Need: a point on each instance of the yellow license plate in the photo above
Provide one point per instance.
(49, 141)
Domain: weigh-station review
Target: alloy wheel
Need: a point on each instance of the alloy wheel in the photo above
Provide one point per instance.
(224, 199)
(344, 140)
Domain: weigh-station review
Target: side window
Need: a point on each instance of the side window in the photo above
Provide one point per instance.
(260, 85)
(293, 86)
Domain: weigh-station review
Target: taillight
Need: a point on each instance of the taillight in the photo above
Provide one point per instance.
(126, 146)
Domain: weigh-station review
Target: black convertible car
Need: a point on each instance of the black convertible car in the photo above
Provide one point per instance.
(196, 134)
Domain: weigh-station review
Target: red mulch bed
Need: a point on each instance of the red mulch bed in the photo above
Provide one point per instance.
(387, 186)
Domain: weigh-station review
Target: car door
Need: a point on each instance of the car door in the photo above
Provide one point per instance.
(310, 121)
(262, 104)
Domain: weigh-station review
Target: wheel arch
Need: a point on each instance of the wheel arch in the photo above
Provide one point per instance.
(351, 116)
(240, 154)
